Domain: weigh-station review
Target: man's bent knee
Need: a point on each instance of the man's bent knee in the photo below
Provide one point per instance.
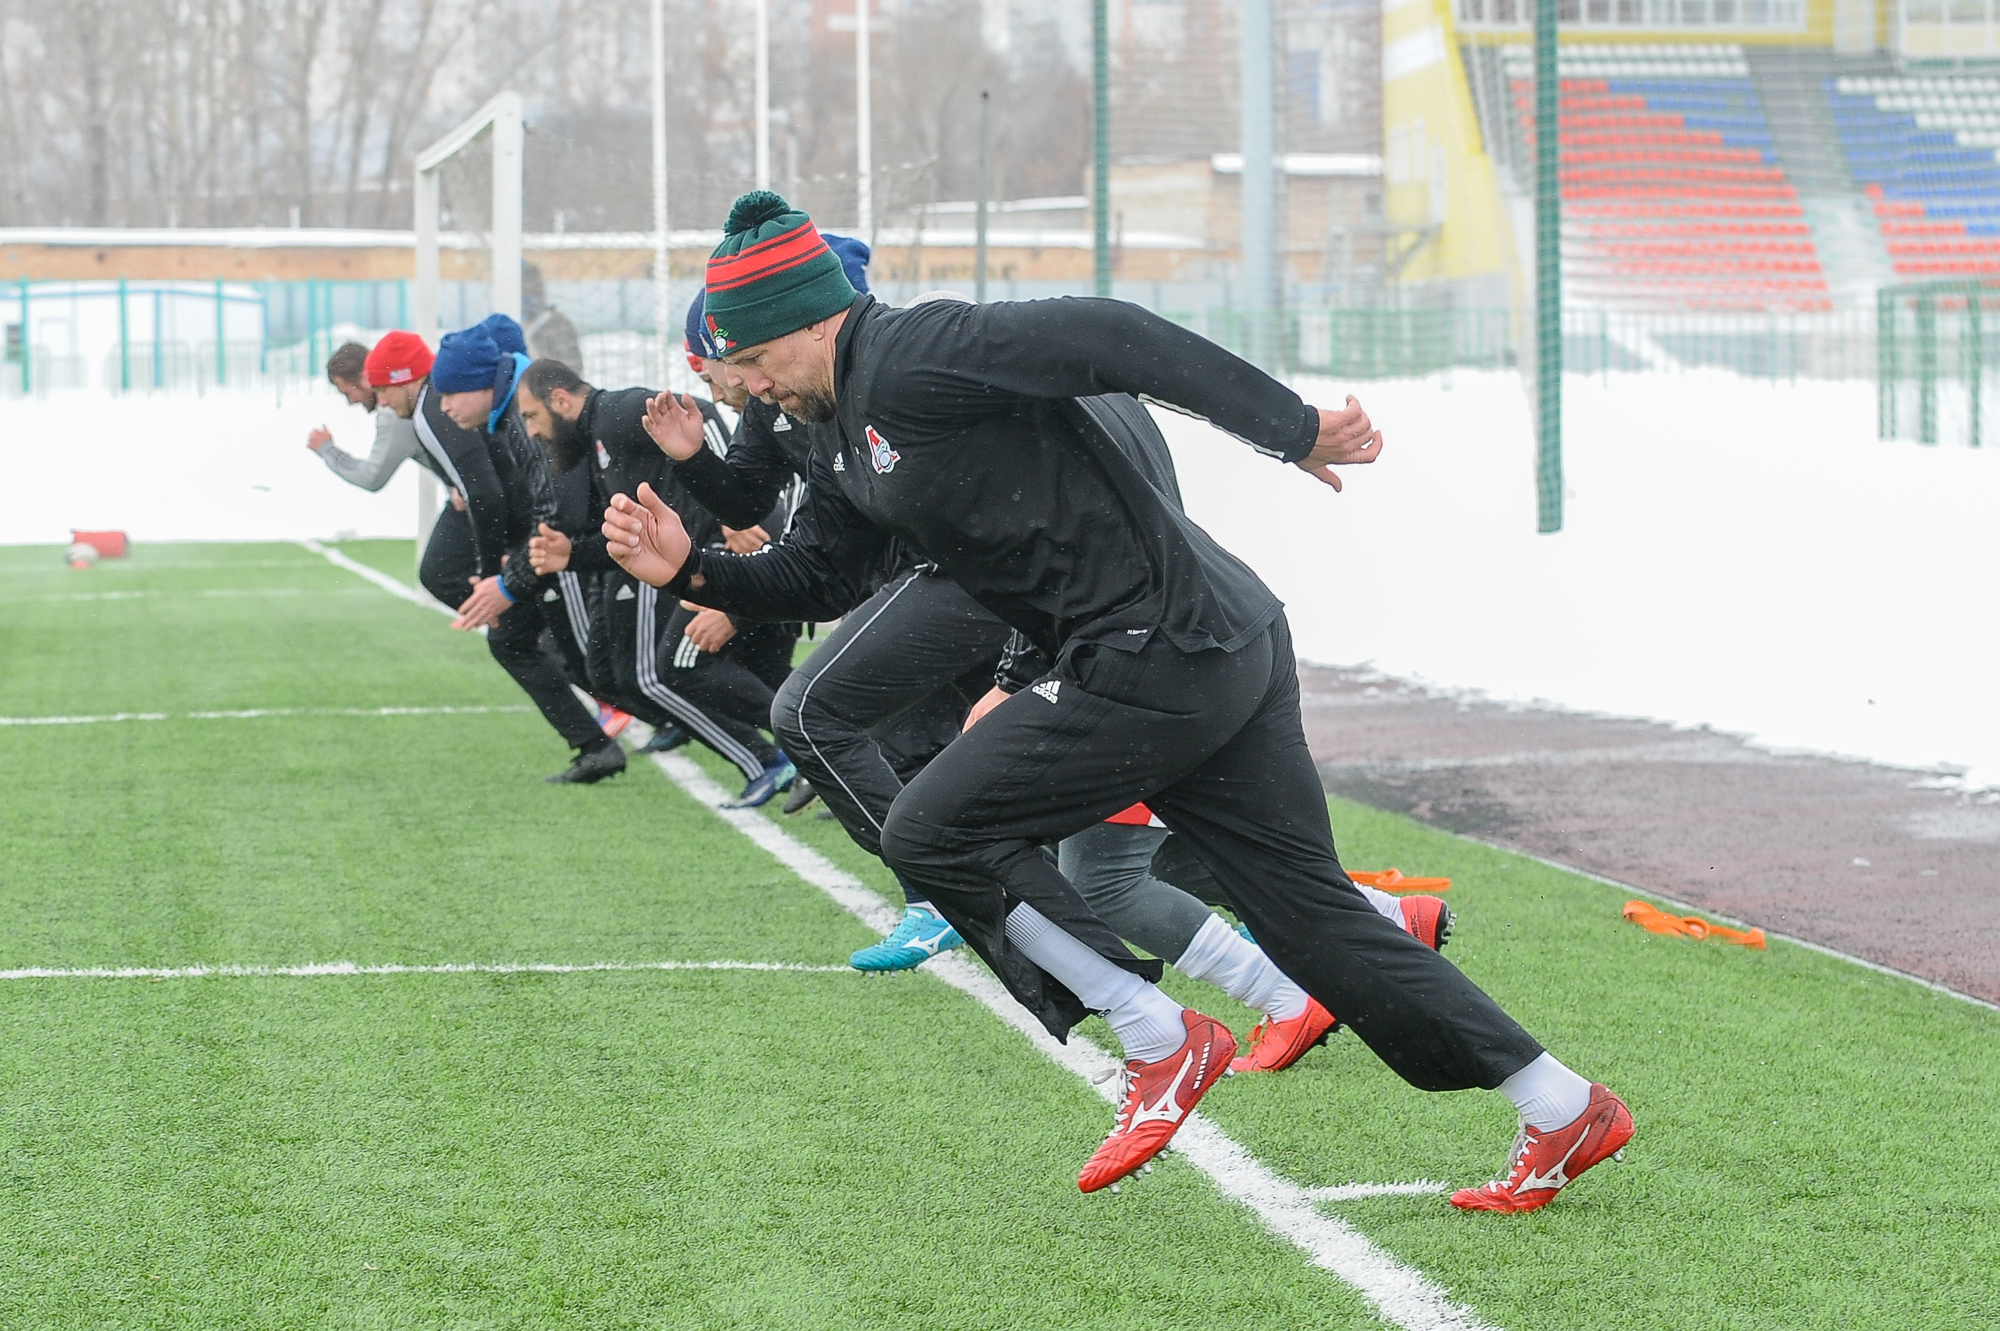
(787, 709)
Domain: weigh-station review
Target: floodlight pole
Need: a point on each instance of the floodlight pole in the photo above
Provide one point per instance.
(1100, 152)
(1259, 185)
(662, 305)
(1548, 274)
(864, 137)
(763, 82)
(985, 189)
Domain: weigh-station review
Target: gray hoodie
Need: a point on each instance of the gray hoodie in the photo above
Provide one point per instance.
(395, 440)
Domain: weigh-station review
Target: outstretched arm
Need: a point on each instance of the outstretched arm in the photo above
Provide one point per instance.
(818, 572)
(1083, 347)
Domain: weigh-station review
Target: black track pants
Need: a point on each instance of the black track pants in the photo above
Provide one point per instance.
(884, 693)
(626, 649)
(729, 694)
(517, 641)
(520, 644)
(765, 650)
(566, 605)
(450, 562)
(1213, 742)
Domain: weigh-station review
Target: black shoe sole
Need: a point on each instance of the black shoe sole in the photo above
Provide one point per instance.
(583, 772)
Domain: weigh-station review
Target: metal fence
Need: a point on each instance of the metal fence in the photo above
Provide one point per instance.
(1938, 348)
(1919, 340)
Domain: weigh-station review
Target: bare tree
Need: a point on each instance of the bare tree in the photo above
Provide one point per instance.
(237, 112)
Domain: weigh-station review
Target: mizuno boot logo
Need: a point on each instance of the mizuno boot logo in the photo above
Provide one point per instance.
(1166, 1109)
(1556, 1177)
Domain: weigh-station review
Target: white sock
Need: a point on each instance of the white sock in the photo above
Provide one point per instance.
(1146, 1021)
(1219, 955)
(922, 905)
(1385, 904)
(1548, 1094)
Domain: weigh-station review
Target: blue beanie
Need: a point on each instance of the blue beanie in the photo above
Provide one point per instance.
(701, 342)
(467, 361)
(506, 334)
(853, 255)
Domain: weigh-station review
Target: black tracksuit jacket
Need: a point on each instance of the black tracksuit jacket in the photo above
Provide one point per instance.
(741, 489)
(505, 479)
(621, 456)
(771, 448)
(959, 430)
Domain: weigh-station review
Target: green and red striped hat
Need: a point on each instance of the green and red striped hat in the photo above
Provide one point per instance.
(771, 275)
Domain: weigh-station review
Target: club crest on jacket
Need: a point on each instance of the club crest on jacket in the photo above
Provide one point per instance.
(884, 457)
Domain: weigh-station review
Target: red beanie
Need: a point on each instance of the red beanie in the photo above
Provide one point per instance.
(397, 359)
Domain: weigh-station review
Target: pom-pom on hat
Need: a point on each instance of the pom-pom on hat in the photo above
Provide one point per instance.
(399, 358)
(853, 255)
(467, 361)
(506, 334)
(771, 275)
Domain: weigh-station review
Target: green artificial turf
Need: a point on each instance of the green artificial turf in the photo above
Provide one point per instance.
(759, 1149)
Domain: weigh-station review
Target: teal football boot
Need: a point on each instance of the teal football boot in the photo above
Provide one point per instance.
(918, 937)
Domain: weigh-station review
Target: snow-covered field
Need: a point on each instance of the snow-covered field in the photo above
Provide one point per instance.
(1735, 554)
(219, 467)
(1738, 555)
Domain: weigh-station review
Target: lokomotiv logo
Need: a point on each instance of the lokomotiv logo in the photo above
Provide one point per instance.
(884, 457)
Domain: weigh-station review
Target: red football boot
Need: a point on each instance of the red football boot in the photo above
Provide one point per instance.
(1428, 920)
(1158, 1097)
(1276, 1045)
(1544, 1163)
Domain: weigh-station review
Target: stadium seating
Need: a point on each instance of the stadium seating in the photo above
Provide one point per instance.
(1923, 149)
(1672, 194)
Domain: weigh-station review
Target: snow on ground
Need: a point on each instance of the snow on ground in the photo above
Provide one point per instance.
(224, 466)
(1740, 555)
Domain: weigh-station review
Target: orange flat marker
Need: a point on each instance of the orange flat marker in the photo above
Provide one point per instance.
(1656, 921)
(1392, 880)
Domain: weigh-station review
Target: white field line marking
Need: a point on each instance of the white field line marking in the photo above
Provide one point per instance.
(128, 566)
(252, 713)
(1349, 1192)
(414, 595)
(1403, 1295)
(184, 595)
(315, 969)
(1690, 908)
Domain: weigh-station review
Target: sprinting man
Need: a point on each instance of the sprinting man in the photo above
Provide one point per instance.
(477, 558)
(716, 699)
(1173, 680)
(882, 694)
(395, 438)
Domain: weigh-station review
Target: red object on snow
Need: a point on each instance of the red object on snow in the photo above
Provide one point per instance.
(108, 544)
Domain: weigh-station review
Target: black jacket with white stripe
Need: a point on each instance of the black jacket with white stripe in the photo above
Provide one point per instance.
(962, 430)
(621, 456)
(504, 478)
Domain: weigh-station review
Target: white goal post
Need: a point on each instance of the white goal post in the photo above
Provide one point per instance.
(502, 116)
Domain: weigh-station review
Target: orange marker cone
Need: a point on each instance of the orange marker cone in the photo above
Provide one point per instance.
(1656, 921)
(1392, 880)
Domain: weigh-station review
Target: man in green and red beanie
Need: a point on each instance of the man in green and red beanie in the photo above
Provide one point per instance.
(958, 429)
(773, 274)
